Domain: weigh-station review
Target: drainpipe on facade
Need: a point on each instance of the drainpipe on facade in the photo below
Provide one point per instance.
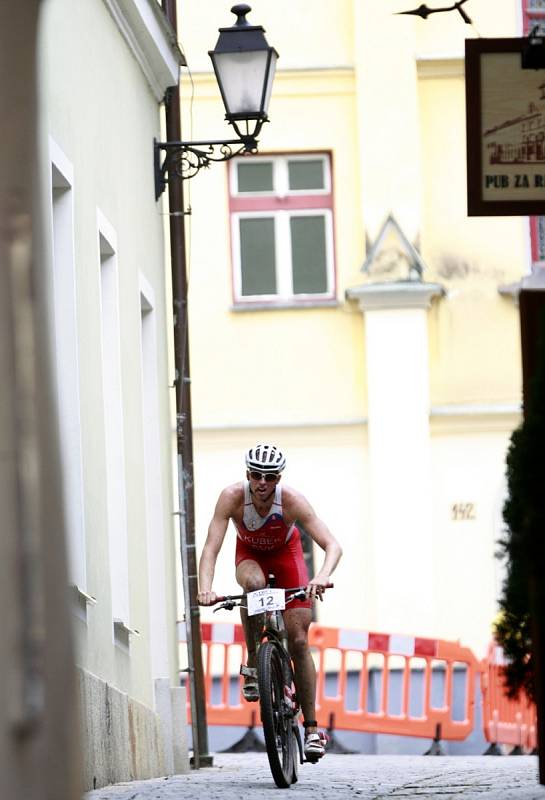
(184, 429)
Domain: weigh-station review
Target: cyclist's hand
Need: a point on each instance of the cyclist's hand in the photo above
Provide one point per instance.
(316, 587)
(206, 598)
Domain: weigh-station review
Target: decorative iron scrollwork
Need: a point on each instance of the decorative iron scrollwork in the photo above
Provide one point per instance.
(186, 159)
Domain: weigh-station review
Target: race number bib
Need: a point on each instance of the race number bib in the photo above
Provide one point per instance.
(265, 600)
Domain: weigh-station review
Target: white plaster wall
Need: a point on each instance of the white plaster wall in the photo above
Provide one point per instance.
(467, 468)
(377, 584)
(100, 110)
(398, 390)
(330, 466)
(283, 20)
(388, 120)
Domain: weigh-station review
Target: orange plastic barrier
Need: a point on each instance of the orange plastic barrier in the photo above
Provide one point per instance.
(423, 669)
(411, 657)
(505, 721)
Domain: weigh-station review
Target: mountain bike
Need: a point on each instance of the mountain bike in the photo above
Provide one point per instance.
(278, 701)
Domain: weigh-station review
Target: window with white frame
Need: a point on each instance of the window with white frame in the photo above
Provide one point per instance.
(282, 230)
(114, 429)
(533, 13)
(67, 364)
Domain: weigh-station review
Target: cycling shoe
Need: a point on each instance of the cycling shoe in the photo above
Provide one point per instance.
(315, 744)
(250, 689)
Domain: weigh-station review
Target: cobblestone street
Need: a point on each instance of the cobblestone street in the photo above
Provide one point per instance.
(346, 776)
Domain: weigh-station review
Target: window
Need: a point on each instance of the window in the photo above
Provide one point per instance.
(67, 364)
(533, 13)
(535, 5)
(537, 239)
(155, 523)
(114, 433)
(282, 230)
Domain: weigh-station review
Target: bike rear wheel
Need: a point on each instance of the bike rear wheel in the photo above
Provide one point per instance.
(276, 715)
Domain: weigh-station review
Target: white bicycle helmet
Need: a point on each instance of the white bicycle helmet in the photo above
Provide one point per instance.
(265, 458)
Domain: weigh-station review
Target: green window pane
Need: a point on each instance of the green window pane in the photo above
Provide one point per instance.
(308, 253)
(257, 256)
(306, 174)
(255, 177)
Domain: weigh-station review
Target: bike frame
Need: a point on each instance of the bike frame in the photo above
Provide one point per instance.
(274, 633)
(279, 705)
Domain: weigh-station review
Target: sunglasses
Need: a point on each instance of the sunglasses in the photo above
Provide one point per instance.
(270, 477)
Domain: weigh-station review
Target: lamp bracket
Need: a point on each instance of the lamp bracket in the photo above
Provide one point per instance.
(185, 159)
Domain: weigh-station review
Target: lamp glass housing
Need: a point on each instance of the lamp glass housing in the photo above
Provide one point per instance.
(245, 79)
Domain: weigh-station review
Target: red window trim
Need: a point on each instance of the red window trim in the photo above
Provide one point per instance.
(537, 257)
(272, 202)
(241, 204)
(527, 14)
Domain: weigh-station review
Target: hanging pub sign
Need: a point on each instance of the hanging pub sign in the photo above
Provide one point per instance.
(505, 114)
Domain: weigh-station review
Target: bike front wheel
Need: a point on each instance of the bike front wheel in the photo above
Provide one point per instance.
(276, 715)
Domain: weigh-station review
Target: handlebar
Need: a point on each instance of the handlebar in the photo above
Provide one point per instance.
(229, 600)
(227, 597)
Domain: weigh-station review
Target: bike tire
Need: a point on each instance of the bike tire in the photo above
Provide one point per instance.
(297, 751)
(295, 763)
(276, 719)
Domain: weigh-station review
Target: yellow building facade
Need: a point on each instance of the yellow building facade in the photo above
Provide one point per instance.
(344, 306)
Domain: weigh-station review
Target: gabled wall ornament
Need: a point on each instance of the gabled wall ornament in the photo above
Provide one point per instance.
(394, 270)
(392, 257)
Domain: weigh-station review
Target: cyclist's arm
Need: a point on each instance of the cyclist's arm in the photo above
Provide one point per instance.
(216, 534)
(317, 529)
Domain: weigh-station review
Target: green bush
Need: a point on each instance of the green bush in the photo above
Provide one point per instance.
(523, 545)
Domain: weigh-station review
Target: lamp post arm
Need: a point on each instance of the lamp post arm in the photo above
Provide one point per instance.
(185, 159)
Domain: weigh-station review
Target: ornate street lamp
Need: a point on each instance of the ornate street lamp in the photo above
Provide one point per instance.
(244, 65)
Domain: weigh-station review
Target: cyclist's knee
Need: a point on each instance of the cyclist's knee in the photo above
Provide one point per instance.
(253, 582)
(250, 576)
(298, 645)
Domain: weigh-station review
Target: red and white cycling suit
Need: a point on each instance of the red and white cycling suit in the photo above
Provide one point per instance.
(272, 544)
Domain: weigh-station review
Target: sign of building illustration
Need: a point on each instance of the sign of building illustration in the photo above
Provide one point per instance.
(519, 140)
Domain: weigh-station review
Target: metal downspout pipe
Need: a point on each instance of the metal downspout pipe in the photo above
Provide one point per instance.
(184, 430)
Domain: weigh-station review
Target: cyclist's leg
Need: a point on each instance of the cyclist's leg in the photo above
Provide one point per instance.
(297, 622)
(250, 576)
(291, 571)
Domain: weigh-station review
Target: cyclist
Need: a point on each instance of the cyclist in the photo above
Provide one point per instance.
(265, 516)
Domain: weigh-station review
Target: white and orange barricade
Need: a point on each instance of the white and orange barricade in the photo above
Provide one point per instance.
(511, 722)
(413, 677)
(366, 682)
